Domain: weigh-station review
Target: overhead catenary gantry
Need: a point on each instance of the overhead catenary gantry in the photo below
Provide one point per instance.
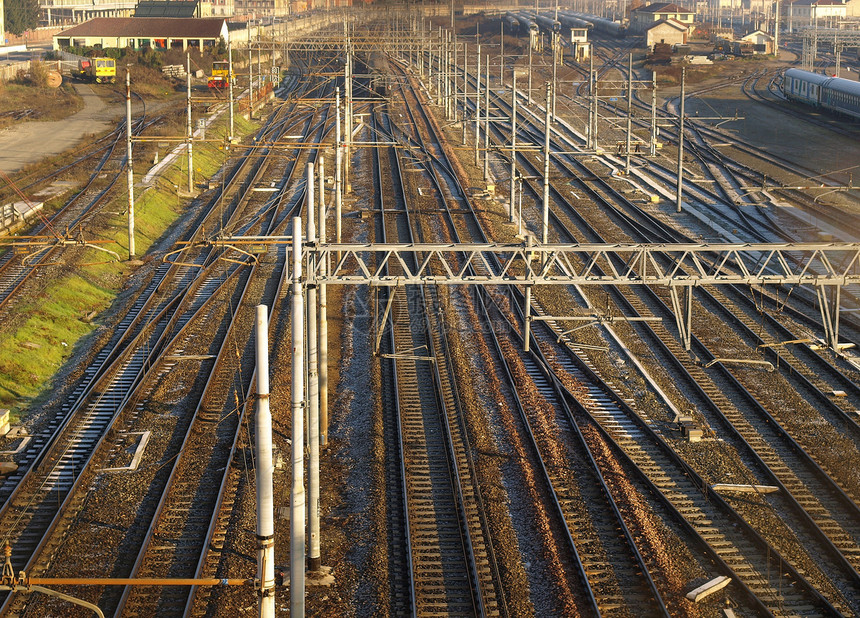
(840, 39)
(825, 267)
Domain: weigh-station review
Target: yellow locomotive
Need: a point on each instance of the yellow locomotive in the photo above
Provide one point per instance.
(220, 76)
(98, 70)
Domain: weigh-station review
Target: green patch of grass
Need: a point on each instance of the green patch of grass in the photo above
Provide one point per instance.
(57, 319)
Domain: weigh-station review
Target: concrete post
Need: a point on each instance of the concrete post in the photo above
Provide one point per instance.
(527, 320)
(679, 188)
(338, 167)
(454, 97)
(130, 165)
(502, 52)
(230, 85)
(323, 321)
(653, 149)
(265, 471)
(529, 93)
(487, 123)
(554, 45)
(322, 183)
(594, 105)
(465, 87)
(478, 106)
(545, 228)
(313, 393)
(513, 141)
(629, 111)
(188, 124)
(297, 495)
(250, 79)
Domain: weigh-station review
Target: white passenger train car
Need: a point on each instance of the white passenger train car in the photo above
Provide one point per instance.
(831, 93)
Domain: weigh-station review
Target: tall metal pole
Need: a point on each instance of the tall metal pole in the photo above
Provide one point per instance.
(348, 117)
(465, 87)
(454, 97)
(478, 106)
(129, 165)
(502, 53)
(297, 495)
(545, 229)
(313, 395)
(594, 106)
(680, 146)
(629, 110)
(338, 163)
(250, 79)
(529, 93)
(776, 32)
(188, 131)
(487, 123)
(265, 472)
(513, 141)
(653, 149)
(589, 129)
(554, 40)
(323, 318)
(230, 85)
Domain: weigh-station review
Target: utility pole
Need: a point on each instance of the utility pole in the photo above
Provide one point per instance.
(323, 317)
(594, 107)
(513, 142)
(776, 32)
(313, 394)
(338, 164)
(502, 53)
(230, 85)
(478, 106)
(250, 79)
(529, 93)
(629, 111)
(465, 87)
(130, 165)
(297, 495)
(680, 146)
(454, 97)
(554, 45)
(487, 123)
(545, 232)
(265, 472)
(188, 132)
(653, 149)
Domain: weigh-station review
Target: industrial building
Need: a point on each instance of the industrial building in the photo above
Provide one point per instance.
(142, 32)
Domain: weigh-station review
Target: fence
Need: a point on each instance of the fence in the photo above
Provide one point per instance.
(9, 72)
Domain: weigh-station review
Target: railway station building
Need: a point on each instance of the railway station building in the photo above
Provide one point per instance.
(143, 32)
(644, 17)
(668, 31)
(762, 42)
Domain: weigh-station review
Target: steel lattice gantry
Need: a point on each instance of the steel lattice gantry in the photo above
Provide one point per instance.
(825, 267)
(840, 39)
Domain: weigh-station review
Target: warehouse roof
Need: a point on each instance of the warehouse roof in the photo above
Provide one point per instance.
(148, 27)
(662, 7)
(166, 8)
(672, 22)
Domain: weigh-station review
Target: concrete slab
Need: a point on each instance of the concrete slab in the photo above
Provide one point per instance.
(29, 142)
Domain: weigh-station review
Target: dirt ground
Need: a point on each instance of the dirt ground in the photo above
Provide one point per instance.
(29, 142)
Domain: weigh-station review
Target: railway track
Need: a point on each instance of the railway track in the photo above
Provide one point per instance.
(156, 366)
(442, 550)
(612, 574)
